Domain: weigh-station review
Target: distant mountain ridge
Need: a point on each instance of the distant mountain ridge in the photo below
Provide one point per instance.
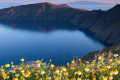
(86, 3)
(37, 12)
(105, 25)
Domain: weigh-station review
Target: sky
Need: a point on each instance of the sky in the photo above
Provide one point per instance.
(57, 1)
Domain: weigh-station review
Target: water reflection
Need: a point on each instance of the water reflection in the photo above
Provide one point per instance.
(48, 40)
(42, 27)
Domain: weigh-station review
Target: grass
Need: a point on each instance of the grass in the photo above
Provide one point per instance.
(108, 69)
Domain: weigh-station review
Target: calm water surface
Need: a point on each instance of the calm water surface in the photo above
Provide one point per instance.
(56, 41)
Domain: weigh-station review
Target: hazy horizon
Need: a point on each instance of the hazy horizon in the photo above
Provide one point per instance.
(87, 7)
(58, 1)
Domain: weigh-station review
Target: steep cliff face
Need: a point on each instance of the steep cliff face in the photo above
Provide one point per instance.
(38, 12)
(104, 24)
(108, 26)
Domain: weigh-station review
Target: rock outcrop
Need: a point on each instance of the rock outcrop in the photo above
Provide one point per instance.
(106, 53)
(105, 25)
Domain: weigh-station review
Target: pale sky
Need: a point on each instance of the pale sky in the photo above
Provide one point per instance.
(57, 1)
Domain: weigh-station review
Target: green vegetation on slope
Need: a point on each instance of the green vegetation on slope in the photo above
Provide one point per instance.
(106, 53)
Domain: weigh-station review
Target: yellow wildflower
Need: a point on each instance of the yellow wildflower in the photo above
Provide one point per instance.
(115, 72)
(65, 73)
(64, 69)
(52, 65)
(110, 77)
(4, 75)
(73, 61)
(79, 72)
(57, 71)
(100, 57)
(22, 59)
(7, 65)
(105, 78)
(42, 72)
(15, 79)
(16, 75)
(86, 69)
(78, 78)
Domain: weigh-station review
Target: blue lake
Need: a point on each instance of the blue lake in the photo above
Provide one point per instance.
(56, 41)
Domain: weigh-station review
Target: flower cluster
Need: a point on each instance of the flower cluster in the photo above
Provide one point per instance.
(101, 69)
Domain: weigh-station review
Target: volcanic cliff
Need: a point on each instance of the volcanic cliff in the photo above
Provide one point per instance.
(105, 25)
(38, 12)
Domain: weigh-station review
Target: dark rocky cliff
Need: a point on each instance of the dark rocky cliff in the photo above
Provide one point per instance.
(105, 25)
(38, 12)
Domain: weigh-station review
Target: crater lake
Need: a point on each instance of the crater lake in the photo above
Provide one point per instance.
(59, 42)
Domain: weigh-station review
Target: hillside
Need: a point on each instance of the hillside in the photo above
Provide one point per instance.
(106, 53)
(103, 24)
(38, 12)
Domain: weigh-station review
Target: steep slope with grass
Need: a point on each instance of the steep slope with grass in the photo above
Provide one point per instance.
(106, 53)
